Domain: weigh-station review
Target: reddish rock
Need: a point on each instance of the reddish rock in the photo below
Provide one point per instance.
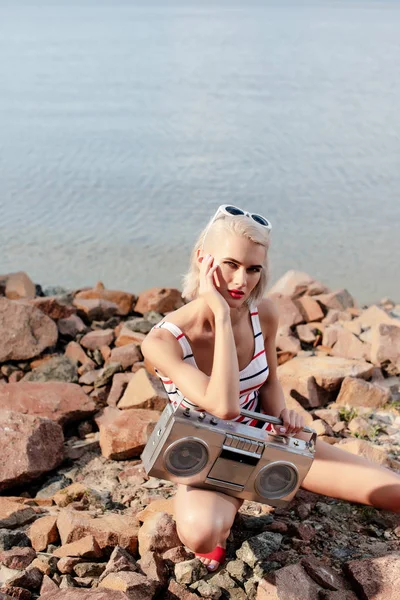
(98, 338)
(15, 592)
(71, 326)
(293, 583)
(135, 585)
(286, 341)
(306, 334)
(386, 345)
(30, 446)
(48, 586)
(162, 300)
(374, 316)
(66, 564)
(119, 383)
(125, 355)
(177, 555)
(19, 285)
(17, 558)
(53, 308)
(71, 493)
(30, 579)
(120, 560)
(76, 353)
(266, 591)
(289, 313)
(339, 300)
(96, 310)
(86, 547)
(376, 578)
(43, 532)
(350, 346)
(127, 336)
(144, 391)
(313, 380)
(124, 434)
(154, 567)
(58, 401)
(178, 592)
(162, 505)
(323, 574)
(295, 283)
(24, 331)
(123, 300)
(109, 530)
(13, 514)
(158, 534)
(310, 309)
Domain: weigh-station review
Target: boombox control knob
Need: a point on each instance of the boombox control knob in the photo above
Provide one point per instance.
(202, 416)
(186, 412)
(213, 421)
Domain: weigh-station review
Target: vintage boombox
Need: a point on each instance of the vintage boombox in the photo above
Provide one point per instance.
(195, 448)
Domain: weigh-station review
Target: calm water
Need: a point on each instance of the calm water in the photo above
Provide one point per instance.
(124, 124)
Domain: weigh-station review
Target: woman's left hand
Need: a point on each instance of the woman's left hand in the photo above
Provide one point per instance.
(293, 422)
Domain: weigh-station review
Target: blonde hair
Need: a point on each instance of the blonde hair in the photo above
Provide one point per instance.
(238, 225)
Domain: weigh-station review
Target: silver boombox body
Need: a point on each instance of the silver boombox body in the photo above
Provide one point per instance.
(194, 448)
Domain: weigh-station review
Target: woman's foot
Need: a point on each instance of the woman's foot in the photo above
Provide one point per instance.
(212, 560)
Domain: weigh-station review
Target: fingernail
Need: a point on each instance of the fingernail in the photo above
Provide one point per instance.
(211, 567)
(282, 429)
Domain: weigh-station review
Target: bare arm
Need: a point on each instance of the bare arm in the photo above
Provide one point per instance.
(271, 393)
(219, 393)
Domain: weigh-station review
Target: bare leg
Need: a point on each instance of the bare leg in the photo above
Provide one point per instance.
(204, 519)
(339, 474)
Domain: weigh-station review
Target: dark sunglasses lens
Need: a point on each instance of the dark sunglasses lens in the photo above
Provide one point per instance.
(232, 210)
(261, 220)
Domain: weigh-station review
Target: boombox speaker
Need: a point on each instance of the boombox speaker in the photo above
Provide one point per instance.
(194, 448)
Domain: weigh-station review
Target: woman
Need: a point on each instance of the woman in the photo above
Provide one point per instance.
(218, 353)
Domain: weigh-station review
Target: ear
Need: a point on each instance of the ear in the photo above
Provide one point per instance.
(199, 255)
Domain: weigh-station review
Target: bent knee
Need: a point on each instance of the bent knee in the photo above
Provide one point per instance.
(197, 535)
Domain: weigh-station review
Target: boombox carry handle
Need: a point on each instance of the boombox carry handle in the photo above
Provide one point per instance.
(268, 419)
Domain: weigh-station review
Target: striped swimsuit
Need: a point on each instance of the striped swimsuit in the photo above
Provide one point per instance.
(252, 377)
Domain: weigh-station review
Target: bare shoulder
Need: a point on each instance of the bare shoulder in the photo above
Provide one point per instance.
(181, 318)
(269, 317)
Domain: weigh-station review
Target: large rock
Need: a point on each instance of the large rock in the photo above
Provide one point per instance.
(30, 447)
(386, 345)
(109, 530)
(136, 585)
(60, 402)
(124, 433)
(350, 346)
(293, 583)
(339, 300)
(162, 300)
(374, 316)
(295, 283)
(314, 381)
(43, 532)
(53, 307)
(13, 514)
(357, 392)
(144, 391)
(58, 368)
(376, 578)
(19, 285)
(24, 331)
(158, 534)
(289, 313)
(123, 300)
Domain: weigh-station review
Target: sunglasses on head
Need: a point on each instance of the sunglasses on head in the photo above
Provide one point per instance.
(235, 211)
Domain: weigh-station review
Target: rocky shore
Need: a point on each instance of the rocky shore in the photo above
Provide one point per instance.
(79, 518)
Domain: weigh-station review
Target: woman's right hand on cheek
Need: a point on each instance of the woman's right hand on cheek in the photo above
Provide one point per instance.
(207, 287)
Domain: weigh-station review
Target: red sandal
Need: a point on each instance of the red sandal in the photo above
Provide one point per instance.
(218, 554)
